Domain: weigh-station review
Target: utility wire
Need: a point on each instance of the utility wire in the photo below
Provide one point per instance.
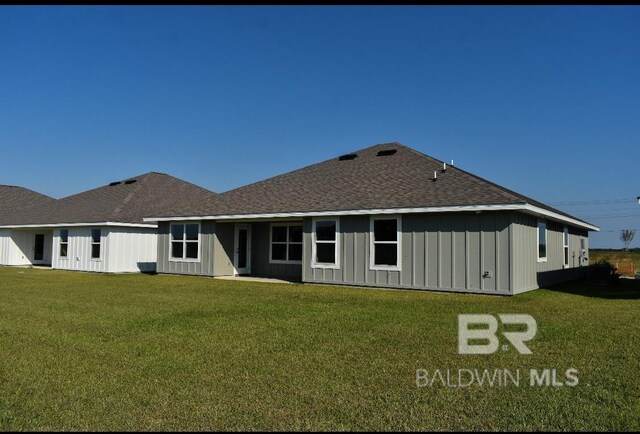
(596, 201)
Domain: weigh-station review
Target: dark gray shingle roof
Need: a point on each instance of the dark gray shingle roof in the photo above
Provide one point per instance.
(401, 180)
(15, 199)
(126, 202)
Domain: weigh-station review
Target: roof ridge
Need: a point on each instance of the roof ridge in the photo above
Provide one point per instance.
(128, 197)
(183, 181)
(312, 165)
(475, 178)
(27, 189)
(496, 187)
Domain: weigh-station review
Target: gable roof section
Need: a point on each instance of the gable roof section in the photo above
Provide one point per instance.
(401, 181)
(15, 199)
(126, 202)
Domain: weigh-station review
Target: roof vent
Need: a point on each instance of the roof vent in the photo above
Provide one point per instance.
(386, 152)
(115, 183)
(131, 181)
(346, 157)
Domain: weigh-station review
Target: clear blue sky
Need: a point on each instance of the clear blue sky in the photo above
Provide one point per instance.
(543, 100)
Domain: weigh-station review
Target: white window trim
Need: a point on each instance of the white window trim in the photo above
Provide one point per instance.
(60, 243)
(184, 250)
(314, 264)
(91, 243)
(565, 246)
(546, 240)
(280, 261)
(372, 265)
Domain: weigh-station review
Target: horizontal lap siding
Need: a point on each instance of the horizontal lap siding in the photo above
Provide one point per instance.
(203, 267)
(448, 251)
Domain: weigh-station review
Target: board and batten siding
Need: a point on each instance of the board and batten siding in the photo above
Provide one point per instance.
(531, 274)
(462, 252)
(132, 249)
(79, 250)
(261, 264)
(217, 247)
(17, 246)
(122, 250)
(201, 267)
(6, 246)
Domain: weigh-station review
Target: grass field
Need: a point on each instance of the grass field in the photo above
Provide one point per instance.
(138, 352)
(618, 258)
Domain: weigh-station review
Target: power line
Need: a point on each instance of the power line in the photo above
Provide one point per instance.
(596, 201)
(606, 208)
(614, 216)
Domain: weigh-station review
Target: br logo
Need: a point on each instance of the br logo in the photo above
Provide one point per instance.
(487, 334)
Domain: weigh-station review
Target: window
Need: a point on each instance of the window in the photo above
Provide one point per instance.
(64, 243)
(96, 236)
(566, 247)
(542, 241)
(325, 249)
(185, 241)
(286, 243)
(384, 243)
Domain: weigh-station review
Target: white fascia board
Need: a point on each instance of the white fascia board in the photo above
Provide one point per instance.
(433, 209)
(336, 213)
(72, 225)
(554, 215)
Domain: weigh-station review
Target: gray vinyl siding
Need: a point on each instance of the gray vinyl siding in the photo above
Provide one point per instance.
(531, 274)
(444, 251)
(260, 259)
(202, 267)
(488, 252)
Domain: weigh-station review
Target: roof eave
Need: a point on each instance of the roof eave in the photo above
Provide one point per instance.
(68, 225)
(524, 207)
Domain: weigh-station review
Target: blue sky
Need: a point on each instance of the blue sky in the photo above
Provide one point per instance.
(543, 100)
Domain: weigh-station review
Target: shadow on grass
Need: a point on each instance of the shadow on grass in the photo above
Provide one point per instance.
(624, 289)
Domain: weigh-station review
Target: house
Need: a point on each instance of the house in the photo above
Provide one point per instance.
(98, 230)
(25, 246)
(384, 216)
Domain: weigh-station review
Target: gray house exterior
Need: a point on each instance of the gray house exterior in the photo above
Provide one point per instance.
(385, 216)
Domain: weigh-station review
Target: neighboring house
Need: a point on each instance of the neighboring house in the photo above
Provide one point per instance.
(101, 229)
(385, 216)
(21, 247)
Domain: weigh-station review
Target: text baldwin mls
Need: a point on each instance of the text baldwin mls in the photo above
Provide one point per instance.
(496, 378)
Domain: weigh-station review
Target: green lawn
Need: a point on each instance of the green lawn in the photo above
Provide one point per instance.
(137, 352)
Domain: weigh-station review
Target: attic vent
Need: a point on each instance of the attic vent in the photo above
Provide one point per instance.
(115, 183)
(386, 152)
(131, 181)
(347, 157)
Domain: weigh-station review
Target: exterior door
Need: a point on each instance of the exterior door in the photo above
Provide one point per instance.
(242, 260)
(38, 248)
